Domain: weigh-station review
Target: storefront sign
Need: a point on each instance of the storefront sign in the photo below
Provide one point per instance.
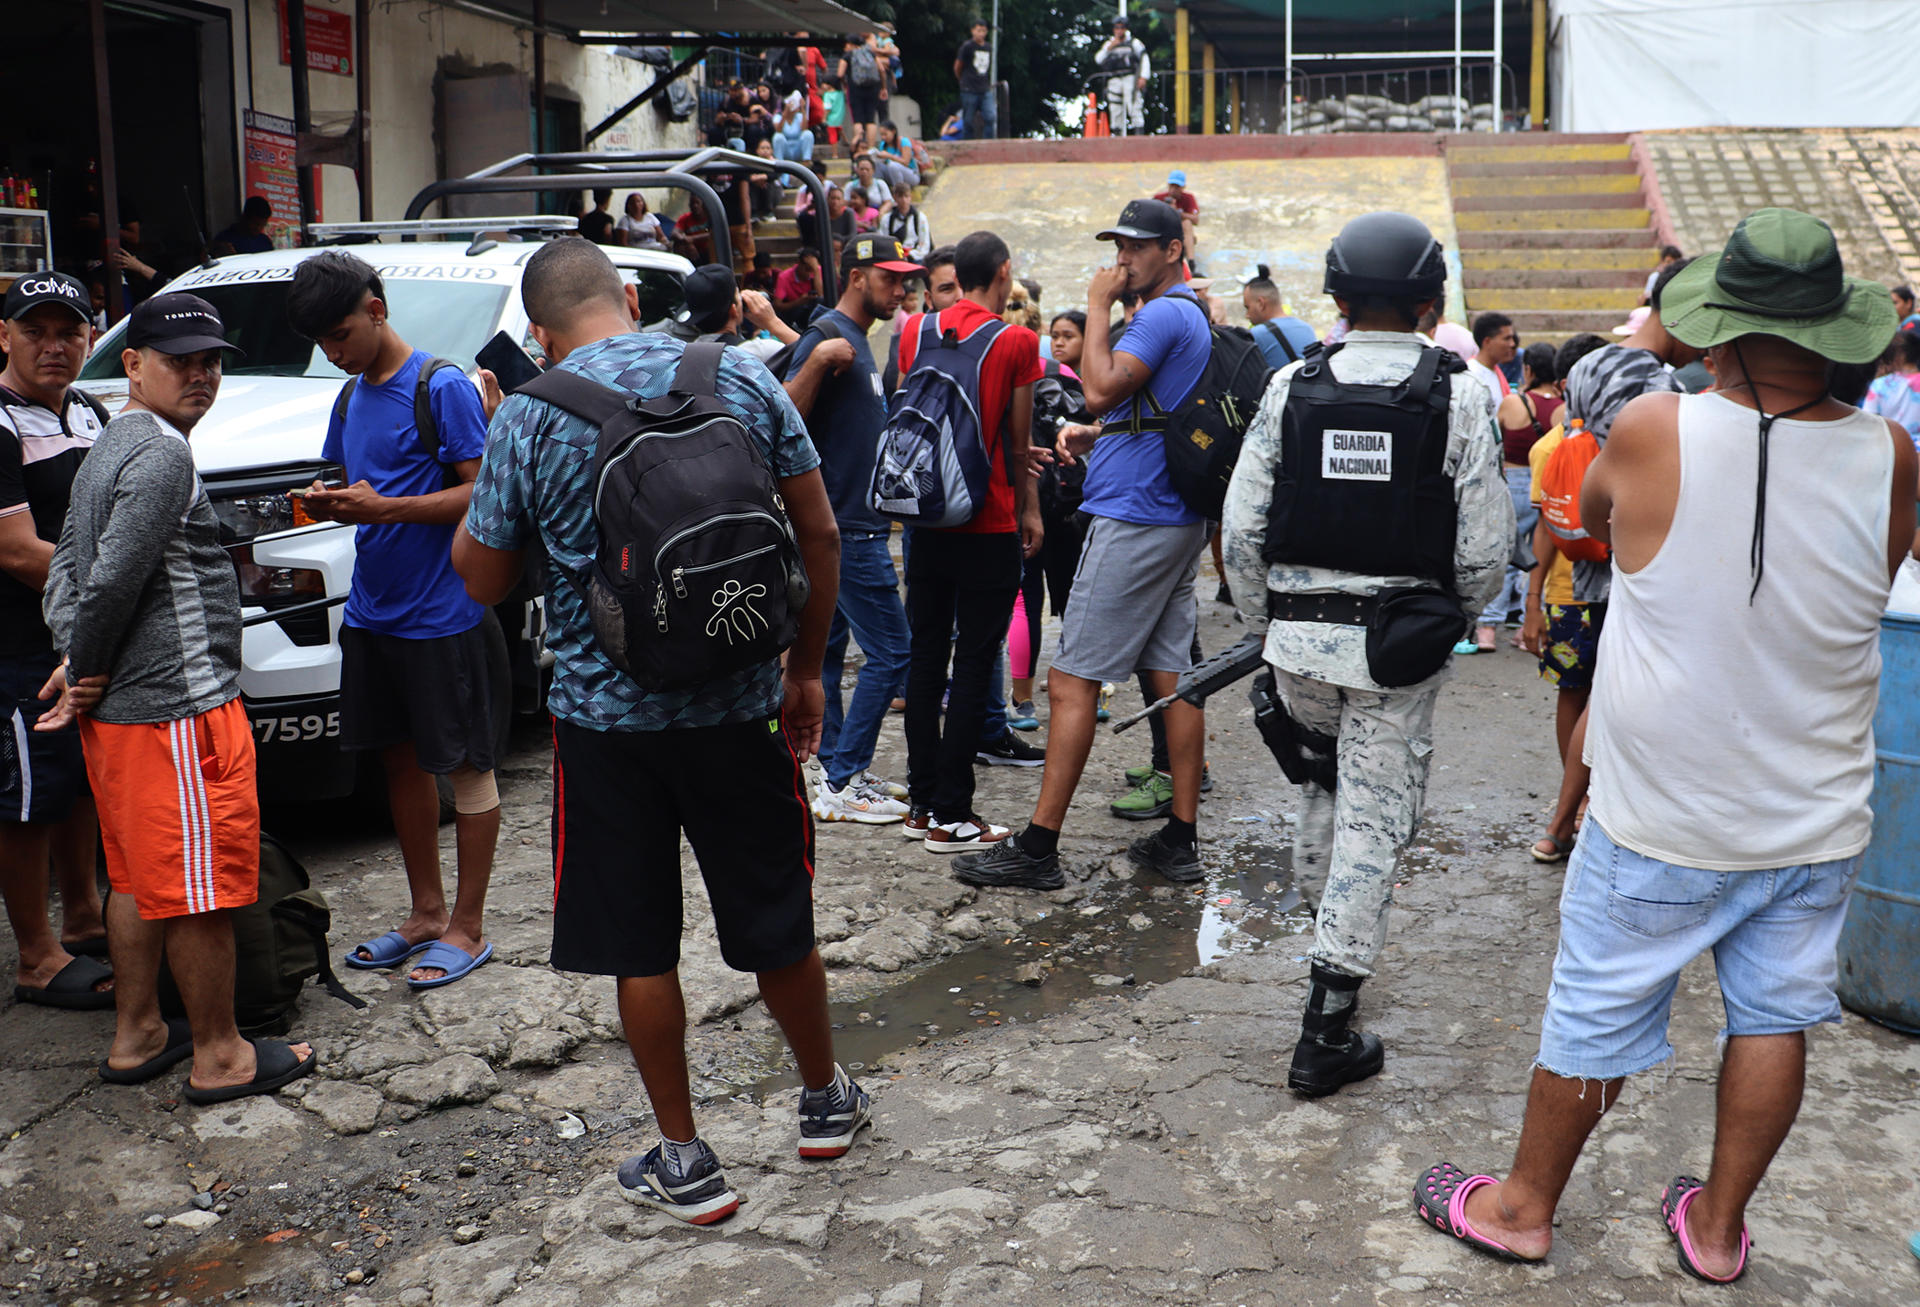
(329, 40)
(270, 172)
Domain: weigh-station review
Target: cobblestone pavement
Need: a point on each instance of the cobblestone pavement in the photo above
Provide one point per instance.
(1110, 1127)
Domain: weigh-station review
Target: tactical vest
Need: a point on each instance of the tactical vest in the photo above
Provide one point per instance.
(1361, 484)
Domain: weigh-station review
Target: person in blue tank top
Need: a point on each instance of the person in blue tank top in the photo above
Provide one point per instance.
(415, 678)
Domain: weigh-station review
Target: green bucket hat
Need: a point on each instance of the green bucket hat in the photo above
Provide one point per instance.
(1780, 275)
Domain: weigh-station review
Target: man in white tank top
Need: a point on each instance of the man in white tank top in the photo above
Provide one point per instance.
(1755, 531)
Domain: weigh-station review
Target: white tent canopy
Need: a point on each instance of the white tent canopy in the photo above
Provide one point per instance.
(1629, 65)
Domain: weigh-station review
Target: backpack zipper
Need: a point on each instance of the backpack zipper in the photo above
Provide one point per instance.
(678, 575)
(600, 485)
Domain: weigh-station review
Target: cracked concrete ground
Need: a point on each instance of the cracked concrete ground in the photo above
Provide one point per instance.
(1106, 1143)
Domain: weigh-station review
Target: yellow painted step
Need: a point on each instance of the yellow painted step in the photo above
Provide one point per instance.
(1619, 183)
(1572, 301)
(1540, 153)
(1550, 219)
(1554, 260)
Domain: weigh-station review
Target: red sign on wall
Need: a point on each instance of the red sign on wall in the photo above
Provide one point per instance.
(269, 143)
(329, 40)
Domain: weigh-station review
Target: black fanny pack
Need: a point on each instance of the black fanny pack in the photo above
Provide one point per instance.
(1410, 632)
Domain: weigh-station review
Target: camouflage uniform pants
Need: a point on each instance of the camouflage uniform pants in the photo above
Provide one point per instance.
(1353, 838)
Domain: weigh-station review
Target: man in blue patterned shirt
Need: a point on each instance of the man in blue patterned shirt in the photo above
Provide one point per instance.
(633, 768)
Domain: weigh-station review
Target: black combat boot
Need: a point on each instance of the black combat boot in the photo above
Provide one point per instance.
(1330, 1054)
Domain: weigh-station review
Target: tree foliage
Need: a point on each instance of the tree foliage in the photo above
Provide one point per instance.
(1046, 53)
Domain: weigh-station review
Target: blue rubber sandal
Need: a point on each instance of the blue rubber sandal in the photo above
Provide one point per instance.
(456, 962)
(390, 950)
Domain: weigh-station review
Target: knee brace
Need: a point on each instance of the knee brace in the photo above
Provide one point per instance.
(474, 792)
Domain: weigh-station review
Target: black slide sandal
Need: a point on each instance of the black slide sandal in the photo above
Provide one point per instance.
(179, 1048)
(72, 988)
(275, 1067)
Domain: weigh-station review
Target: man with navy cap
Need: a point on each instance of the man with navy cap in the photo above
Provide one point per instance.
(46, 810)
(144, 608)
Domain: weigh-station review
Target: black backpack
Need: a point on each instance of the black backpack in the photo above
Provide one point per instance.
(279, 942)
(697, 572)
(422, 412)
(780, 362)
(1202, 437)
(783, 70)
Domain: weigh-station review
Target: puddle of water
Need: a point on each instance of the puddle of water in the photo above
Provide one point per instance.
(1122, 934)
(207, 1272)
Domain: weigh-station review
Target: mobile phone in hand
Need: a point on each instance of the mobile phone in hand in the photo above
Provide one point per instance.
(510, 364)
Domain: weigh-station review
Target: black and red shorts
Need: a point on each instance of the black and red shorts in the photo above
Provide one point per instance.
(621, 801)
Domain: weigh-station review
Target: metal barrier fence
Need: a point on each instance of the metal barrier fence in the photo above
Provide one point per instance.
(1426, 98)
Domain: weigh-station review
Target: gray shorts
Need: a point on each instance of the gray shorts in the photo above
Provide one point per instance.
(1132, 606)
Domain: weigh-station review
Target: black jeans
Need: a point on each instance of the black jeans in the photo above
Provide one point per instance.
(960, 592)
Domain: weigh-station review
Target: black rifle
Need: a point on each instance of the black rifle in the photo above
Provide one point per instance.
(1305, 756)
(1209, 677)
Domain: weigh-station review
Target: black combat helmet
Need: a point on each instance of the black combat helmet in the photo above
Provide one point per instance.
(1386, 253)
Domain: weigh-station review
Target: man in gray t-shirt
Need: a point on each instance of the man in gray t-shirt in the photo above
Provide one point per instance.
(144, 610)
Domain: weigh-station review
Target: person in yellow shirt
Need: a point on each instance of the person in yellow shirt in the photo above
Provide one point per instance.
(1565, 635)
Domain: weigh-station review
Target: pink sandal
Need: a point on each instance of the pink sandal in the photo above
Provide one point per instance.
(1674, 1203)
(1441, 1197)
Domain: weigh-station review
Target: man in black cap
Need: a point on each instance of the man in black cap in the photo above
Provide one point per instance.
(1132, 607)
(1378, 422)
(46, 810)
(716, 310)
(144, 608)
(833, 382)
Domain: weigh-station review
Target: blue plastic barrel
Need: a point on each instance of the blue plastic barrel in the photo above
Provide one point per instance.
(1880, 946)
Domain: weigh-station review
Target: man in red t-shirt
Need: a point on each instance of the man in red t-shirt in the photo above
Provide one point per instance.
(797, 289)
(1184, 203)
(961, 581)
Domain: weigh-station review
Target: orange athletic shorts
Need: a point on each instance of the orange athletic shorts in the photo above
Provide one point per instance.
(179, 814)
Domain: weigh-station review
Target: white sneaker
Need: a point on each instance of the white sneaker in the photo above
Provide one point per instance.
(856, 803)
(881, 785)
(967, 836)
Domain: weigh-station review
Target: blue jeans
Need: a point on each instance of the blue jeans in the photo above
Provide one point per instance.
(979, 114)
(794, 149)
(1630, 923)
(870, 609)
(1513, 591)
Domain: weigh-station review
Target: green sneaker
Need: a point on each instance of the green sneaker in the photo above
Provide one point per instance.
(1137, 776)
(1151, 798)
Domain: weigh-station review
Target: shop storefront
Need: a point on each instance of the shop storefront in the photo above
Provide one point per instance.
(199, 105)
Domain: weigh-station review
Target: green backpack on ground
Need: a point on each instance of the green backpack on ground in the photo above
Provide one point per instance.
(279, 942)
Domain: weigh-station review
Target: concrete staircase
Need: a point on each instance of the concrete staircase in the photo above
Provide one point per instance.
(1553, 230)
(780, 236)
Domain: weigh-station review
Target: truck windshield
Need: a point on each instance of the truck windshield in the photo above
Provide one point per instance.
(450, 320)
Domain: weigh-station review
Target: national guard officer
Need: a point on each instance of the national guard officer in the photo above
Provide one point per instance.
(1366, 524)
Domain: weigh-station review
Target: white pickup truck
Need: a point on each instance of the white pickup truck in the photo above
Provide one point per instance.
(263, 438)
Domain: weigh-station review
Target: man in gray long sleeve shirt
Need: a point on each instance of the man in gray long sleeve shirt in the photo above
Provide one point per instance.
(1363, 513)
(145, 610)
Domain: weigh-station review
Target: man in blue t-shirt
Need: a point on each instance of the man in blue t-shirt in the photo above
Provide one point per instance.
(415, 676)
(833, 382)
(1132, 606)
(1282, 338)
(634, 769)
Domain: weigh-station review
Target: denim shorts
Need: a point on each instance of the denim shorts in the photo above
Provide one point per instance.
(1629, 924)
